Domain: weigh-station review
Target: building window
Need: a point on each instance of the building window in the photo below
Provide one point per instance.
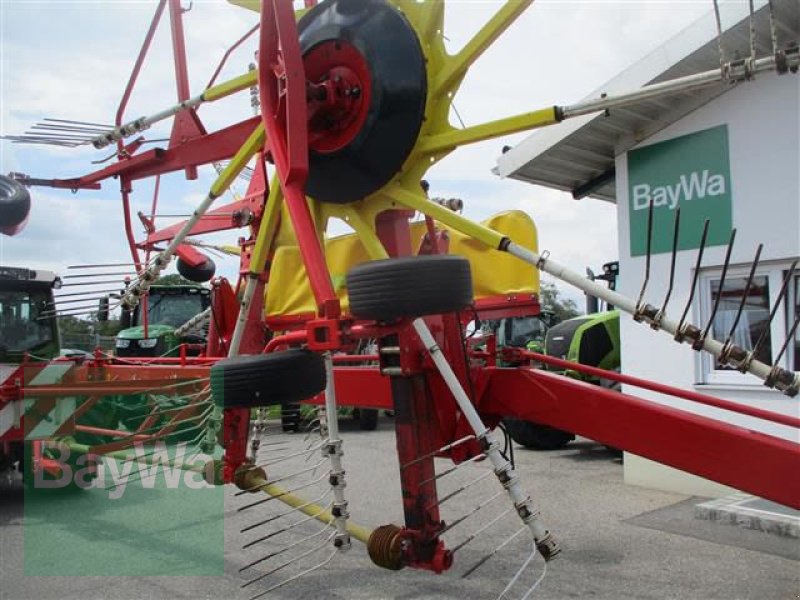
(753, 323)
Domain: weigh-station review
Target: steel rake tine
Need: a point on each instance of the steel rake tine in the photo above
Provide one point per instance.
(698, 345)
(138, 474)
(281, 551)
(457, 491)
(281, 495)
(85, 293)
(100, 125)
(298, 576)
(286, 457)
(789, 336)
(288, 527)
(639, 302)
(444, 448)
(695, 279)
(745, 293)
(464, 517)
(452, 469)
(773, 31)
(517, 575)
(288, 512)
(763, 337)
(673, 259)
(479, 531)
(284, 478)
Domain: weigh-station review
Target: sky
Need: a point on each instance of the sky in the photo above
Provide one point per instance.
(71, 59)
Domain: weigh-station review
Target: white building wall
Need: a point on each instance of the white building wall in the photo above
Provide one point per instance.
(764, 139)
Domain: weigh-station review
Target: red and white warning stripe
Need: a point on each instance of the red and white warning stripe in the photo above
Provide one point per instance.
(36, 418)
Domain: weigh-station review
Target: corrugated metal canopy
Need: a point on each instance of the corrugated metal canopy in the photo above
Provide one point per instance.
(578, 155)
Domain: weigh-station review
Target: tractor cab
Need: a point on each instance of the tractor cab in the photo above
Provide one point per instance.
(27, 322)
(170, 310)
(527, 331)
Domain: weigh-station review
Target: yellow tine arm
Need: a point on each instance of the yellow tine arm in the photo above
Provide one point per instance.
(458, 65)
(443, 142)
(372, 244)
(252, 145)
(226, 88)
(419, 202)
(268, 228)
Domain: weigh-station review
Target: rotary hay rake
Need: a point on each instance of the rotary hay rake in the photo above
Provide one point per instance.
(355, 98)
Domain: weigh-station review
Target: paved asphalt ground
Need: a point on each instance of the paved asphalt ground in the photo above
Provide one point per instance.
(618, 541)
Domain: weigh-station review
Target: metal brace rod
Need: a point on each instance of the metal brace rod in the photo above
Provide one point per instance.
(505, 472)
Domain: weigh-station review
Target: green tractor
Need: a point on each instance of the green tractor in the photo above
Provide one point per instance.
(592, 339)
(176, 314)
(29, 334)
(171, 310)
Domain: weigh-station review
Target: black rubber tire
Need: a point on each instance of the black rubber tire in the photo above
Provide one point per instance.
(367, 419)
(290, 417)
(391, 49)
(199, 274)
(15, 203)
(280, 378)
(413, 286)
(537, 437)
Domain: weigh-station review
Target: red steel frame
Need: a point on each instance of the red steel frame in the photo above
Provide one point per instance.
(427, 418)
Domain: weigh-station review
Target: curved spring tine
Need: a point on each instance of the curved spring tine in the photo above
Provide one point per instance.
(288, 512)
(647, 259)
(294, 577)
(675, 233)
(695, 279)
(790, 334)
(277, 532)
(762, 338)
(483, 560)
(285, 493)
(444, 448)
(745, 294)
(278, 553)
(699, 342)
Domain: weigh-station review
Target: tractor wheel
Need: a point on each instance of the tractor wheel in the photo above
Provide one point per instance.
(266, 379)
(15, 204)
(367, 418)
(200, 273)
(414, 286)
(373, 52)
(537, 437)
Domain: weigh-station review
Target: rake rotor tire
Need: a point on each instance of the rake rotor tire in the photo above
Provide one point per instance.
(367, 418)
(291, 418)
(199, 273)
(537, 436)
(415, 286)
(15, 203)
(398, 87)
(281, 378)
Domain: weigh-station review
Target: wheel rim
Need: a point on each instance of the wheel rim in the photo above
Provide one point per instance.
(373, 46)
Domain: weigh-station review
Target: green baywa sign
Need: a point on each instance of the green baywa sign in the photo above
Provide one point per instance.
(691, 172)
